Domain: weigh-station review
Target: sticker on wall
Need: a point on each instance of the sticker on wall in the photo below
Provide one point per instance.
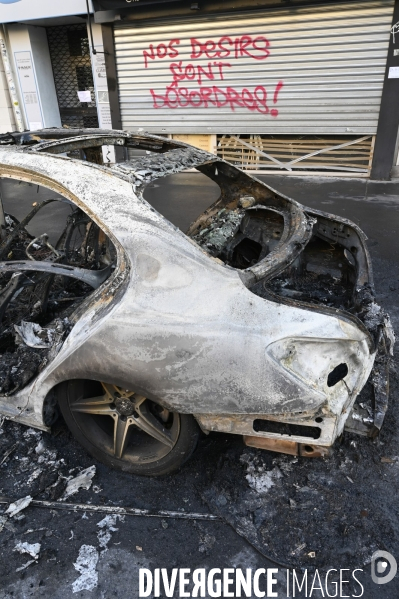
(99, 66)
(105, 116)
(103, 96)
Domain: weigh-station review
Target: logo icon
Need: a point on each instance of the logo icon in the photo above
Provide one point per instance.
(383, 567)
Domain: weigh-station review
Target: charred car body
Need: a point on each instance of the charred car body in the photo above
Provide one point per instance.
(260, 321)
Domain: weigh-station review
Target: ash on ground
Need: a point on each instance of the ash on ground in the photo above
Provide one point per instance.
(321, 513)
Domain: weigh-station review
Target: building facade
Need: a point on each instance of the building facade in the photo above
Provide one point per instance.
(305, 87)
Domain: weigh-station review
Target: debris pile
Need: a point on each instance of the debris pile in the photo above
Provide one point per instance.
(107, 526)
(313, 288)
(305, 514)
(32, 549)
(86, 564)
(37, 469)
(242, 236)
(82, 481)
(373, 315)
(19, 505)
(259, 479)
(323, 273)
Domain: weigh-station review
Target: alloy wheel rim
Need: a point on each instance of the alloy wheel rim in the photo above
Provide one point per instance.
(135, 418)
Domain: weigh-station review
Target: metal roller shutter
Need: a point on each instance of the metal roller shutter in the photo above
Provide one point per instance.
(322, 69)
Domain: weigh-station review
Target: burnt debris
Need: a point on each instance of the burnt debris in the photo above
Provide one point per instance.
(241, 237)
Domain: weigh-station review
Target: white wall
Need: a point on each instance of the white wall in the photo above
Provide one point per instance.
(25, 10)
(7, 121)
(32, 42)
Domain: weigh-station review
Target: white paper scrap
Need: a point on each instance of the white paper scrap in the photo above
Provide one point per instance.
(84, 96)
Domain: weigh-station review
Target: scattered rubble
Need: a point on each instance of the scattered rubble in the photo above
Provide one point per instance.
(18, 506)
(324, 504)
(313, 288)
(82, 481)
(206, 541)
(32, 549)
(86, 564)
(3, 520)
(8, 452)
(26, 565)
(107, 527)
(312, 513)
(33, 335)
(259, 479)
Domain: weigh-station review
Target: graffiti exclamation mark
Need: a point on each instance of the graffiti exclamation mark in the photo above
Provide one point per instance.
(274, 111)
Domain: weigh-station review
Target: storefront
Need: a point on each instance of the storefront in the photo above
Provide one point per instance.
(60, 80)
(270, 87)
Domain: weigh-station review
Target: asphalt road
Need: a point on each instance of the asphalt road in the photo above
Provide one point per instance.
(141, 542)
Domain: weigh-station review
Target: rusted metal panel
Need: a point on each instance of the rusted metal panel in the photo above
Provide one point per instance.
(287, 446)
(279, 445)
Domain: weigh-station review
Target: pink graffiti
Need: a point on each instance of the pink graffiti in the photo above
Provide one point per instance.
(174, 96)
(161, 51)
(197, 72)
(180, 97)
(226, 47)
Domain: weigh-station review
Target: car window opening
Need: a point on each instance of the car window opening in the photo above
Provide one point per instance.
(323, 273)
(241, 237)
(37, 302)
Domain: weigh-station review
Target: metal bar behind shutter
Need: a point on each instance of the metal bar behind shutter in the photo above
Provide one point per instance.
(330, 60)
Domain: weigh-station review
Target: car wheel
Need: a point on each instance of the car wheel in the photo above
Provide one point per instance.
(125, 430)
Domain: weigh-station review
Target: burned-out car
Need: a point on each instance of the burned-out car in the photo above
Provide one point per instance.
(259, 321)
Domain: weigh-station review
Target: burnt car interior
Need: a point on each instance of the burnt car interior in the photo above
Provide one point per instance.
(324, 272)
(44, 281)
(283, 252)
